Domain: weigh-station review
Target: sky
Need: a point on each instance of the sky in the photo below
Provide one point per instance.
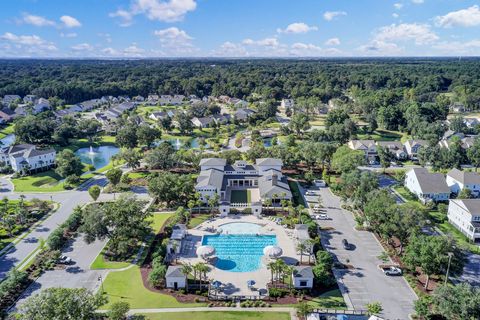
(238, 28)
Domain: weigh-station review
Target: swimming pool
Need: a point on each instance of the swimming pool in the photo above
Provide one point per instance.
(240, 228)
(241, 249)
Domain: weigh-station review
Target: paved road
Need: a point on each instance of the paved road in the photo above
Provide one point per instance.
(363, 282)
(67, 200)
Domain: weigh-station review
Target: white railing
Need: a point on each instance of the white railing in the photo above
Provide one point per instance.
(239, 205)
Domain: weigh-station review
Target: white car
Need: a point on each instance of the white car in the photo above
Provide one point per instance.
(320, 183)
(321, 217)
(310, 193)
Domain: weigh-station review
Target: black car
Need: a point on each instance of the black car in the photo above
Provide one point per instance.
(346, 245)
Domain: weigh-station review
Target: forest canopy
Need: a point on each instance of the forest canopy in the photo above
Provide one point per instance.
(388, 79)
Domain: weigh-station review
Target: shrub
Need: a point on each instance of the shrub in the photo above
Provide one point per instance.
(119, 310)
(277, 293)
(56, 240)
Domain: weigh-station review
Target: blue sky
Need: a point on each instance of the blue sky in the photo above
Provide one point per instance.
(239, 28)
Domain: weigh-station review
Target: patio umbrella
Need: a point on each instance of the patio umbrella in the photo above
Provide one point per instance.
(273, 252)
(216, 284)
(251, 283)
(205, 251)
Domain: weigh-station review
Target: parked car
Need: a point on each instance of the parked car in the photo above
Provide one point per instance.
(64, 260)
(311, 193)
(347, 245)
(322, 216)
(392, 271)
(320, 183)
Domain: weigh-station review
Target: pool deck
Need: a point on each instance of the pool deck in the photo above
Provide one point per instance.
(235, 283)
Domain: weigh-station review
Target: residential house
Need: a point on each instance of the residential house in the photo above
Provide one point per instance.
(457, 180)
(238, 103)
(158, 115)
(413, 146)
(287, 104)
(366, 146)
(41, 106)
(243, 114)
(153, 99)
(30, 98)
(175, 278)
(464, 214)
(89, 104)
(177, 100)
(26, 157)
(471, 122)
(138, 99)
(427, 186)
(10, 98)
(203, 122)
(221, 118)
(302, 277)
(6, 115)
(395, 147)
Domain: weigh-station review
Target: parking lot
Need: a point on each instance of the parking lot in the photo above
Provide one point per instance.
(363, 282)
(75, 275)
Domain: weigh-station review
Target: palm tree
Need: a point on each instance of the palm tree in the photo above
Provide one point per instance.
(280, 266)
(186, 270)
(272, 267)
(202, 269)
(303, 309)
(301, 247)
(195, 270)
(289, 271)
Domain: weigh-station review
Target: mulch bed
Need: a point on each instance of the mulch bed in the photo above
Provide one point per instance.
(184, 298)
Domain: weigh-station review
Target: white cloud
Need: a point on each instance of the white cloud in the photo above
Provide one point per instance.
(381, 48)
(418, 1)
(70, 22)
(230, 49)
(398, 5)
(469, 17)
(332, 42)
(297, 27)
(82, 47)
(331, 15)
(25, 45)
(161, 10)
(126, 17)
(456, 47)
(37, 21)
(395, 15)
(106, 36)
(175, 42)
(420, 33)
(68, 35)
(267, 42)
(133, 50)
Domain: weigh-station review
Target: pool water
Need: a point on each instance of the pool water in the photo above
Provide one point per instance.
(241, 250)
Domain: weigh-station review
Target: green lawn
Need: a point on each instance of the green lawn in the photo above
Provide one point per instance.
(405, 193)
(47, 181)
(297, 197)
(215, 315)
(128, 286)
(329, 300)
(383, 135)
(240, 196)
(159, 219)
(6, 130)
(195, 221)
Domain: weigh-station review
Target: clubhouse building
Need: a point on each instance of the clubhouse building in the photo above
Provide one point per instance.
(242, 185)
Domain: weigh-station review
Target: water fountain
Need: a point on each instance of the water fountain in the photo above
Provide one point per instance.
(91, 150)
(178, 144)
(98, 157)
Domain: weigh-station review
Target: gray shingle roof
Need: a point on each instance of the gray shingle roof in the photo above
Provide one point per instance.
(431, 182)
(213, 162)
(210, 177)
(303, 272)
(269, 162)
(464, 176)
(174, 271)
(472, 205)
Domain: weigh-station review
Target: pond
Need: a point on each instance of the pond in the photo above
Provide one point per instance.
(178, 144)
(8, 140)
(99, 157)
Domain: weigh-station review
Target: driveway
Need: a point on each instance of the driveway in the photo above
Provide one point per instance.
(363, 282)
(76, 275)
